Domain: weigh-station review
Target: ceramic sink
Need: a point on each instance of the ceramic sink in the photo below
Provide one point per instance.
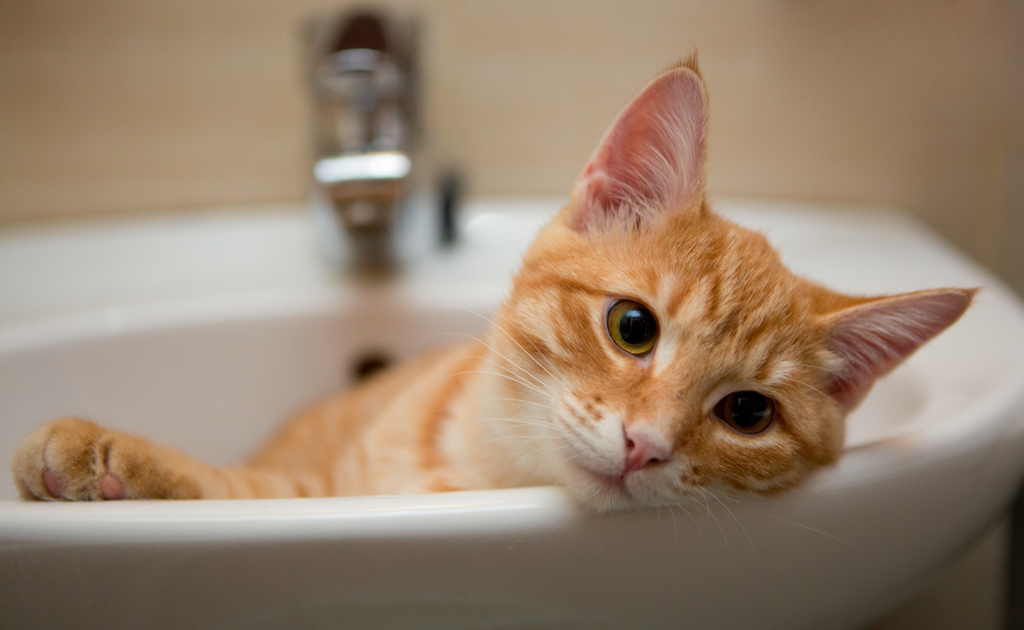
(205, 330)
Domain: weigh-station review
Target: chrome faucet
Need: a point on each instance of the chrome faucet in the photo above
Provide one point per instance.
(363, 83)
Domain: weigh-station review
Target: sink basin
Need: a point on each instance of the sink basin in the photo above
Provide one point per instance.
(204, 331)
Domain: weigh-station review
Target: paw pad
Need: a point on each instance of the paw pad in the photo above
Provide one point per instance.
(53, 484)
(112, 487)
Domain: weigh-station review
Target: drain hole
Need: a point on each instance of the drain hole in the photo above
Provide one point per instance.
(369, 364)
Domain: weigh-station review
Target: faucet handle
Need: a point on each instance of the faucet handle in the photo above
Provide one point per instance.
(364, 186)
(363, 83)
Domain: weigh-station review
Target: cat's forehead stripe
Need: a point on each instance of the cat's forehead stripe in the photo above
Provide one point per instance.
(668, 353)
(776, 371)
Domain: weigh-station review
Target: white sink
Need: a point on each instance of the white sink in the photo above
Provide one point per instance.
(204, 331)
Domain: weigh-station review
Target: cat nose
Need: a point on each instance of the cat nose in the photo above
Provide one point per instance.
(643, 448)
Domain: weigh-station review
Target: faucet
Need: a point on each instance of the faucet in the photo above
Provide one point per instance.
(363, 84)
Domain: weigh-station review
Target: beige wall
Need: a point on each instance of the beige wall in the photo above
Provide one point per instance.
(128, 105)
(112, 106)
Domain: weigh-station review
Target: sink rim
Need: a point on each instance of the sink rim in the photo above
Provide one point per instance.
(992, 412)
(869, 516)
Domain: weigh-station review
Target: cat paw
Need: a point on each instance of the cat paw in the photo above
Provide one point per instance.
(77, 460)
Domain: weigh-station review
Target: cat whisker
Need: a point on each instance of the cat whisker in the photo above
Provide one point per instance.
(815, 367)
(517, 366)
(532, 345)
(696, 523)
(536, 381)
(521, 438)
(685, 508)
(540, 451)
(515, 419)
(516, 400)
(787, 521)
(711, 493)
(516, 377)
(492, 349)
(515, 437)
(515, 423)
(580, 435)
(510, 431)
(511, 338)
(518, 425)
(505, 376)
(675, 530)
(574, 458)
(809, 386)
(725, 537)
(499, 315)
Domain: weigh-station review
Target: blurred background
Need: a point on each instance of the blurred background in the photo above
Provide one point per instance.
(127, 106)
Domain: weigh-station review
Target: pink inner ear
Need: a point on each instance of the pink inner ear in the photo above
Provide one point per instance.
(871, 339)
(653, 154)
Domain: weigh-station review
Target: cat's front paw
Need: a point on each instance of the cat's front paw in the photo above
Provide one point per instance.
(78, 460)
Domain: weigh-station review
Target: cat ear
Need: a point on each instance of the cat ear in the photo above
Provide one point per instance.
(652, 157)
(872, 338)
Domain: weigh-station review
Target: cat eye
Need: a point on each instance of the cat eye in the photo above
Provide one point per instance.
(747, 412)
(632, 327)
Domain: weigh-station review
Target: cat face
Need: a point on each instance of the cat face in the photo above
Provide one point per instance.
(663, 366)
(657, 349)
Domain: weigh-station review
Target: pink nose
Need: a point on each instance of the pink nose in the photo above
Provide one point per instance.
(642, 448)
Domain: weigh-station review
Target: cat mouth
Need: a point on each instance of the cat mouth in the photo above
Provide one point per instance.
(612, 483)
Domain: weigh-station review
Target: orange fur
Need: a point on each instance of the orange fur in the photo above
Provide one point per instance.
(548, 397)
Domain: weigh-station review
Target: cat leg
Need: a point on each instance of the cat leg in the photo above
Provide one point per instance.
(78, 460)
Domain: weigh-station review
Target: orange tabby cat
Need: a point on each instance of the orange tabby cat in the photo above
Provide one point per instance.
(648, 348)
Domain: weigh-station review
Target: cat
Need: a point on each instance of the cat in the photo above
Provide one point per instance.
(648, 348)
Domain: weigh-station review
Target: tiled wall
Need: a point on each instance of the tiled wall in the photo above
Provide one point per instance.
(115, 106)
(127, 105)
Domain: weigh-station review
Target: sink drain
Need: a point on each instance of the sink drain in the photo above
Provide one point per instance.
(369, 364)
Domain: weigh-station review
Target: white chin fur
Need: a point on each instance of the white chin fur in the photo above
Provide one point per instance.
(639, 492)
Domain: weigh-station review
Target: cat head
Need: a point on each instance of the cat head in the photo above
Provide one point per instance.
(658, 348)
